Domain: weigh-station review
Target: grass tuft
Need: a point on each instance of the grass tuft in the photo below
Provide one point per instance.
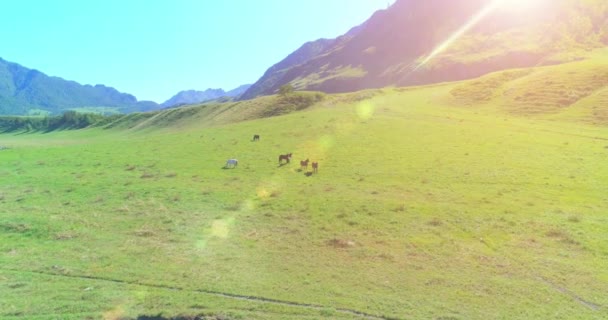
(340, 243)
(147, 175)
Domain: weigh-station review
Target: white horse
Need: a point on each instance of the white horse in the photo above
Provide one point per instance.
(232, 163)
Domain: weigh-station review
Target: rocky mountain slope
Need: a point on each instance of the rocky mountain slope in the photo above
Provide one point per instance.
(413, 42)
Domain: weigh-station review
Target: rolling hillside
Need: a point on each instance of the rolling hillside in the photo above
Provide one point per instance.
(431, 202)
(388, 49)
(26, 91)
(573, 91)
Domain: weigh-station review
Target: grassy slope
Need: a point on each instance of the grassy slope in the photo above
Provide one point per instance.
(575, 91)
(422, 209)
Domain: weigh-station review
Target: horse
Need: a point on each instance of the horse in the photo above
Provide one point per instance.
(285, 157)
(256, 137)
(232, 162)
(315, 167)
(304, 164)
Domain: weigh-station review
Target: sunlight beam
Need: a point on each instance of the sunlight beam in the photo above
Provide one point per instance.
(460, 32)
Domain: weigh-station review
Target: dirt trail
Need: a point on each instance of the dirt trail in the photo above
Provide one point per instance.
(574, 296)
(210, 292)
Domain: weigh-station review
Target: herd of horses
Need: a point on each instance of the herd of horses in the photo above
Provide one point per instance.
(233, 163)
(304, 165)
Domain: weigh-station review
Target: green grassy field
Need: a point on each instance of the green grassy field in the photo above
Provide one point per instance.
(440, 202)
(98, 110)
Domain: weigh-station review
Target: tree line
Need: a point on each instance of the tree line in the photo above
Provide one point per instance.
(66, 121)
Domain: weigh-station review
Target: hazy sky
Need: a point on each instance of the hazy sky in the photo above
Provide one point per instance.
(155, 48)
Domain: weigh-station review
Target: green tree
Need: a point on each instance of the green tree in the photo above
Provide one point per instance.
(286, 89)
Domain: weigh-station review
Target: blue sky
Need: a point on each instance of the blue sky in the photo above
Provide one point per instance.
(155, 48)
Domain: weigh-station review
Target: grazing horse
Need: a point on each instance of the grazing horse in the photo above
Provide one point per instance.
(315, 167)
(256, 137)
(304, 164)
(285, 157)
(231, 163)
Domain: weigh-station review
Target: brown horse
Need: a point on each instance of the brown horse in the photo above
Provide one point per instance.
(315, 167)
(285, 157)
(256, 137)
(304, 164)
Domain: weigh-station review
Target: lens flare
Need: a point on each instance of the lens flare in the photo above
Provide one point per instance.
(460, 32)
(326, 142)
(116, 313)
(520, 5)
(365, 110)
(221, 228)
(509, 7)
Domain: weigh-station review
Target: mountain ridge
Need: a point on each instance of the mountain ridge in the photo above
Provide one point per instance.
(196, 96)
(304, 53)
(23, 90)
(389, 48)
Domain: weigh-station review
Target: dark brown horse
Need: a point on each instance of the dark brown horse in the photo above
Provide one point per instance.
(315, 167)
(256, 137)
(285, 157)
(304, 164)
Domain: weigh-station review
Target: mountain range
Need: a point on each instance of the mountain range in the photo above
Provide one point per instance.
(194, 96)
(28, 91)
(410, 43)
(390, 48)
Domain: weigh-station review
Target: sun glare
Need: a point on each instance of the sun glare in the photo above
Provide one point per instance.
(460, 32)
(519, 5)
(506, 6)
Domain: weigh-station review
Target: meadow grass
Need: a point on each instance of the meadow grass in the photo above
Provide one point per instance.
(423, 207)
(98, 110)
